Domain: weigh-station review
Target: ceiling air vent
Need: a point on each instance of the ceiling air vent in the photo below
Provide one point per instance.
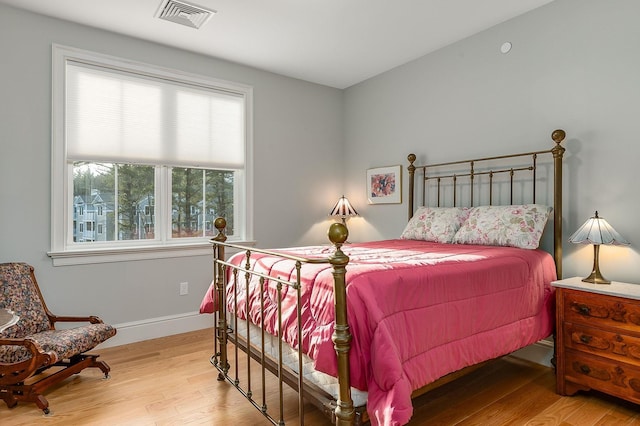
(184, 13)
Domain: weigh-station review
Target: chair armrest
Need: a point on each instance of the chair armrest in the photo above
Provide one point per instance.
(31, 345)
(11, 373)
(91, 319)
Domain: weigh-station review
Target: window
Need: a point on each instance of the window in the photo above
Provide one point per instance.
(148, 157)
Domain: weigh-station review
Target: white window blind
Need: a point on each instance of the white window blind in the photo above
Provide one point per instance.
(118, 116)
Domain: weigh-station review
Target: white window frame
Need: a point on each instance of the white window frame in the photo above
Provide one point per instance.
(62, 251)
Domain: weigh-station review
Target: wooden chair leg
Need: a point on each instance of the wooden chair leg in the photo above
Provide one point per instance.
(103, 366)
(42, 403)
(33, 392)
(25, 393)
(9, 399)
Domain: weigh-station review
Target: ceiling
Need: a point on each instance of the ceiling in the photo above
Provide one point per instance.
(336, 43)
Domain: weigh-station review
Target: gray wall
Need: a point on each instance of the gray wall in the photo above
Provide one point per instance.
(574, 65)
(298, 131)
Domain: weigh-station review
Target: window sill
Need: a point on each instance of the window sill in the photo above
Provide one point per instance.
(125, 254)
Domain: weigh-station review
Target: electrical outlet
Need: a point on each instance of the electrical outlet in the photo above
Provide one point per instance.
(184, 289)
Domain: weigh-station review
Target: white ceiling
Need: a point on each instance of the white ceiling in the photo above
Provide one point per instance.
(337, 43)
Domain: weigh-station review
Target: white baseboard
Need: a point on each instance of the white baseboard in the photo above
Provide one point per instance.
(152, 328)
(540, 352)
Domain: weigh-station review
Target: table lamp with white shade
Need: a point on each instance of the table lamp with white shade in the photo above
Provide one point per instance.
(597, 231)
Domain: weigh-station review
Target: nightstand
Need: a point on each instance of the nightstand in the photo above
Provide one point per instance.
(598, 338)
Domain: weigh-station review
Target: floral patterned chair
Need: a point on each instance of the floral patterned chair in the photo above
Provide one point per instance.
(33, 344)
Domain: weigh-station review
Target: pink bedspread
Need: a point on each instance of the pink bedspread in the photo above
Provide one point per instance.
(417, 311)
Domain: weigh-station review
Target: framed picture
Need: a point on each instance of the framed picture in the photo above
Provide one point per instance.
(384, 185)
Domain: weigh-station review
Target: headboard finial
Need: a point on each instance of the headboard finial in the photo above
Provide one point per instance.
(558, 136)
(411, 169)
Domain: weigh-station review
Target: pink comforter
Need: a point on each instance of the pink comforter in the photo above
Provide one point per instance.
(417, 311)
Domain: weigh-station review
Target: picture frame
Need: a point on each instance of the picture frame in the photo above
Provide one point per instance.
(384, 185)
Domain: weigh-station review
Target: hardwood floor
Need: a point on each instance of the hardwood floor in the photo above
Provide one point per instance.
(169, 381)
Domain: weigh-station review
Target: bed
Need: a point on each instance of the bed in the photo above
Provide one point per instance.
(384, 321)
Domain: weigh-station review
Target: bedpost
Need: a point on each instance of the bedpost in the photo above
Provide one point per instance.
(345, 412)
(558, 151)
(412, 171)
(218, 273)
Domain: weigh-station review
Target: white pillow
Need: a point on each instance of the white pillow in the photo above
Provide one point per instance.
(437, 224)
(514, 226)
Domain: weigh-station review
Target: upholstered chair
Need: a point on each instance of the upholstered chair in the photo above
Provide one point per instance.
(33, 344)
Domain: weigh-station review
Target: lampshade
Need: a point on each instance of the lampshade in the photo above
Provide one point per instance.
(343, 209)
(597, 231)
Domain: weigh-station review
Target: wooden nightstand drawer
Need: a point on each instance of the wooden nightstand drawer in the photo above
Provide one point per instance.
(616, 378)
(592, 309)
(610, 344)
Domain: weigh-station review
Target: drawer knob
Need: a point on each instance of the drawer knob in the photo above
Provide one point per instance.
(585, 369)
(584, 338)
(584, 309)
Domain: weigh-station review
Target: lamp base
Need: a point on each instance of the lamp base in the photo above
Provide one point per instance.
(596, 278)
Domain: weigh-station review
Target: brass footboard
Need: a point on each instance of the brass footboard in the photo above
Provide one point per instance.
(342, 411)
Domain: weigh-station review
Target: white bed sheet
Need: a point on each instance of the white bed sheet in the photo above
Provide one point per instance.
(290, 359)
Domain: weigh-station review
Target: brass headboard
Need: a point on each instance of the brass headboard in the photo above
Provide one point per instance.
(456, 177)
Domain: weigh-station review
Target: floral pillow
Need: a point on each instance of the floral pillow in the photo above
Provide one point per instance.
(514, 226)
(438, 224)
